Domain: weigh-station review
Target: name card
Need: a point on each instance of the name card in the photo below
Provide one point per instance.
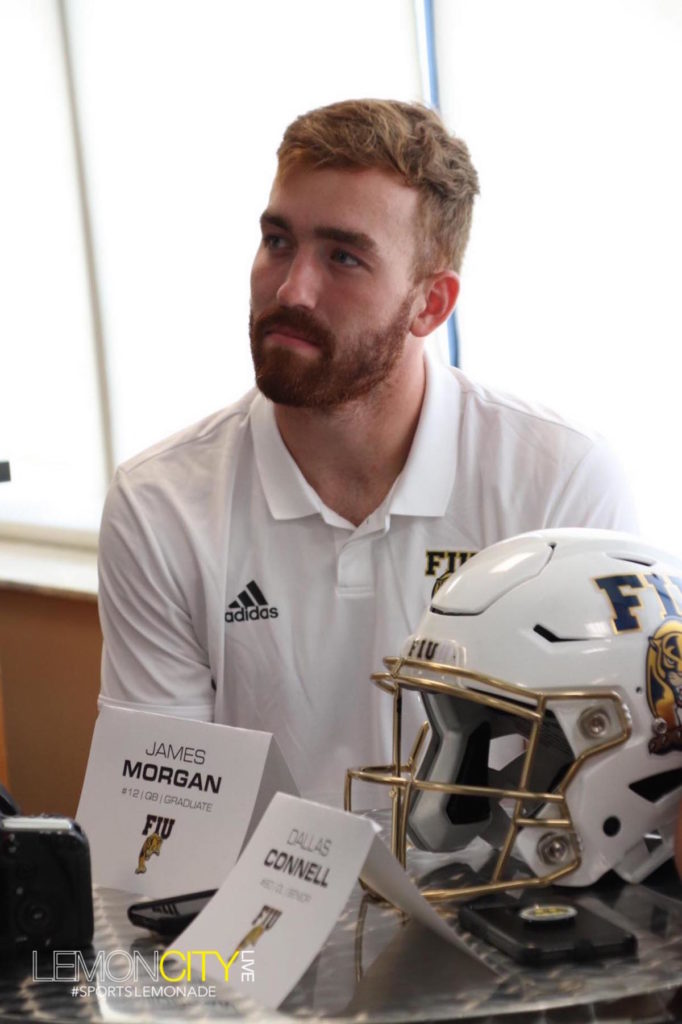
(275, 910)
(167, 803)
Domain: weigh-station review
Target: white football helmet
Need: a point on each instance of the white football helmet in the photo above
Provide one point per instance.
(563, 648)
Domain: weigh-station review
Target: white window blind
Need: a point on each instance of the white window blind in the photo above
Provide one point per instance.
(181, 105)
(49, 417)
(571, 286)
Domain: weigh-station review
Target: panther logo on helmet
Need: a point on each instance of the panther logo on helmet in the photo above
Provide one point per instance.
(664, 686)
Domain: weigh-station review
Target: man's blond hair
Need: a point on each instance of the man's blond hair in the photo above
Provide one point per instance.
(406, 139)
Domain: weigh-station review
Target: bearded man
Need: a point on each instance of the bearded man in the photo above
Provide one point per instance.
(256, 568)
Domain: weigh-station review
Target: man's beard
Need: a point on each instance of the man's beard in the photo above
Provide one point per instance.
(341, 371)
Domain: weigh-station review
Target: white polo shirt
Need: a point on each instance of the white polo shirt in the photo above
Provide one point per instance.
(230, 592)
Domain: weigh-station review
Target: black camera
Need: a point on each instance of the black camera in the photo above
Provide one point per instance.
(45, 886)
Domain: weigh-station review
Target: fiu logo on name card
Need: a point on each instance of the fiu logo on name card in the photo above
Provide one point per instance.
(265, 919)
(627, 594)
(156, 830)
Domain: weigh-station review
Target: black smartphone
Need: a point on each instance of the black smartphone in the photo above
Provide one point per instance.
(545, 930)
(169, 916)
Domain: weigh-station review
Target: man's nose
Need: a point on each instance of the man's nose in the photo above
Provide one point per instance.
(301, 284)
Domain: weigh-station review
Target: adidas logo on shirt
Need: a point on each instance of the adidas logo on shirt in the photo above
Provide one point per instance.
(250, 605)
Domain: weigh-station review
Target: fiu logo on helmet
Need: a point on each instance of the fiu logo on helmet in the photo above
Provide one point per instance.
(151, 847)
(664, 686)
(630, 594)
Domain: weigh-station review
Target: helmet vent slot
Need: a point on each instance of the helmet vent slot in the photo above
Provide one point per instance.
(641, 560)
(655, 787)
(552, 638)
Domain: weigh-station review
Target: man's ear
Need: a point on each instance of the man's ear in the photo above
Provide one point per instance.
(438, 294)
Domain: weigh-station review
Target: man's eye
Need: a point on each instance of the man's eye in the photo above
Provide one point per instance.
(274, 242)
(345, 258)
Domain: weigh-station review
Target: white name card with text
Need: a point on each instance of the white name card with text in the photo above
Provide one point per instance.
(276, 908)
(167, 803)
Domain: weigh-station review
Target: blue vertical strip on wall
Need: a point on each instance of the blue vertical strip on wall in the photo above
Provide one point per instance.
(429, 27)
(434, 101)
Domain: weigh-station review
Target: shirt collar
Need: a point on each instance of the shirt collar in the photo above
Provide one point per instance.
(425, 484)
(428, 477)
(287, 492)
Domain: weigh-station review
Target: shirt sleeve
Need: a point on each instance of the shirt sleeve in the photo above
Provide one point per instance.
(597, 494)
(152, 657)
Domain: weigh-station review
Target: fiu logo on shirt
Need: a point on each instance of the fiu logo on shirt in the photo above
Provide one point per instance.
(438, 563)
(626, 593)
(151, 847)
